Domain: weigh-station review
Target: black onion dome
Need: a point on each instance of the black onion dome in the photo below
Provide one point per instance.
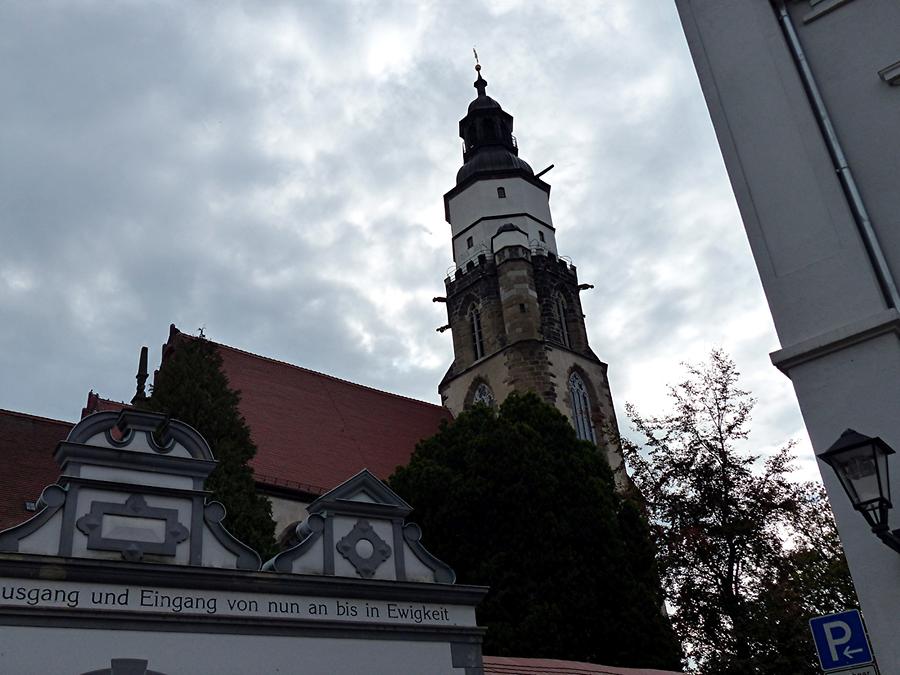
(483, 102)
(490, 160)
(488, 143)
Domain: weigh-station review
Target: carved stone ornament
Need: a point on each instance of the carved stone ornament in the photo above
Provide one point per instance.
(364, 549)
(153, 530)
(369, 504)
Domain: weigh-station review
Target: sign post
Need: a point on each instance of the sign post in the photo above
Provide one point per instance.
(841, 641)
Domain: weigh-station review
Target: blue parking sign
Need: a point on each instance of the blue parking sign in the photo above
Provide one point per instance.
(841, 640)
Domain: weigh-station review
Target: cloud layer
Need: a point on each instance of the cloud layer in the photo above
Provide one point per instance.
(273, 172)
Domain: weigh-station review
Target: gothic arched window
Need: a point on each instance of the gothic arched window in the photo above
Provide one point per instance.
(581, 409)
(477, 337)
(559, 307)
(484, 395)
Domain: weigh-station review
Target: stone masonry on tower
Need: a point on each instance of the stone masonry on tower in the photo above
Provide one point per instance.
(512, 303)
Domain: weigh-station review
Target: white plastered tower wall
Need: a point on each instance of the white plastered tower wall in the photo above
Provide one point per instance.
(804, 102)
(513, 304)
(479, 209)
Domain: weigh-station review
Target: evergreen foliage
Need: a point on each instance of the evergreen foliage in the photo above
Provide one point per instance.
(191, 387)
(747, 554)
(515, 501)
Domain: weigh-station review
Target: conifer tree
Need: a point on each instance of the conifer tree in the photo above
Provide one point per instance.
(191, 387)
(515, 501)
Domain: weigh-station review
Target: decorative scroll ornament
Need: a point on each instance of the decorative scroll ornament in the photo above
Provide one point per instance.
(132, 482)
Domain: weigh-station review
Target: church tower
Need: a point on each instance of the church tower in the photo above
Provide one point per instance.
(512, 302)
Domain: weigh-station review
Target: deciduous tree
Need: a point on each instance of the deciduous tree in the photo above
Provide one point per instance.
(747, 554)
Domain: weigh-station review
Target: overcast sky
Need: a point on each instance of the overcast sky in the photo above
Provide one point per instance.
(274, 173)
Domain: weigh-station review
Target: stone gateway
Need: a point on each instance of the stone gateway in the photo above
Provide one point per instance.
(126, 569)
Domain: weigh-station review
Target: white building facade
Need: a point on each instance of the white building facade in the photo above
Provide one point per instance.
(803, 98)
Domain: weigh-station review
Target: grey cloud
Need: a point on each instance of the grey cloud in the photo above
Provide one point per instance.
(244, 167)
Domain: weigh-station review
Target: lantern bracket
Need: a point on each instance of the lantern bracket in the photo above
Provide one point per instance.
(890, 538)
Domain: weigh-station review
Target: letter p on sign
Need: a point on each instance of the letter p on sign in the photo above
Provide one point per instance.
(837, 633)
(841, 640)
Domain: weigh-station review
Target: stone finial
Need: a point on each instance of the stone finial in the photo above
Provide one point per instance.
(140, 393)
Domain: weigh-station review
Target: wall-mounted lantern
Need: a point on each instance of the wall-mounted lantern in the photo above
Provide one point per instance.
(861, 464)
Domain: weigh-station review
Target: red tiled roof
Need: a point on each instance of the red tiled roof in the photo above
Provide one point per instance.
(511, 665)
(95, 403)
(314, 431)
(26, 461)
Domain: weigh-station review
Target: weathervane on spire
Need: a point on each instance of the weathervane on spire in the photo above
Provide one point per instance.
(480, 83)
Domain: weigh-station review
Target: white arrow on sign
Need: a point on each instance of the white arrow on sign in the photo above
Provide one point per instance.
(848, 653)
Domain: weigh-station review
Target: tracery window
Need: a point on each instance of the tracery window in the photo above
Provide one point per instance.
(581, 409)
(477, 337)
(484, 395)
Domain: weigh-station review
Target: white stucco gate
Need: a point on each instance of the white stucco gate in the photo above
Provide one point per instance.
(126, 569)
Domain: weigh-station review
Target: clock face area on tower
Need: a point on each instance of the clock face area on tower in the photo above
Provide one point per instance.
(513, 303)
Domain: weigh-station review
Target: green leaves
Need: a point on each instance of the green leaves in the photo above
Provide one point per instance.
(747, 554)
(512, 499)
(192, 387)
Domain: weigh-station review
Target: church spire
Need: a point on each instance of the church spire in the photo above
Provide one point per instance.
(480, 83)
(486, 130)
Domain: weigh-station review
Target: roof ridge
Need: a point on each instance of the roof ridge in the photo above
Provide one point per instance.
(110, 400)
(518, 665)
(325, 375)
(16, 413)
